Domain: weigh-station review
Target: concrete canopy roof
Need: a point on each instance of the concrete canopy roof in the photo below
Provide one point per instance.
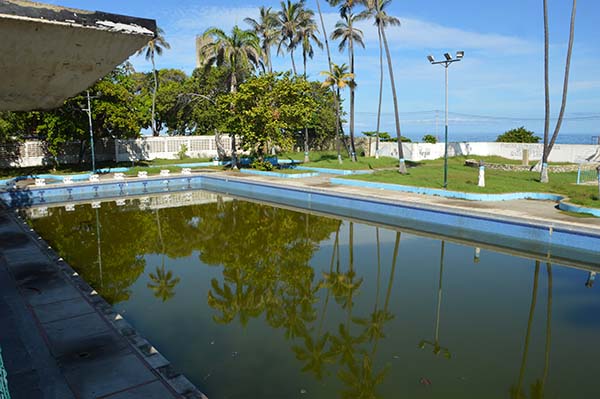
(50, 53)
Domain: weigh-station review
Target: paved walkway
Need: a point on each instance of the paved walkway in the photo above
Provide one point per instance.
(61, 340)
(531, 210)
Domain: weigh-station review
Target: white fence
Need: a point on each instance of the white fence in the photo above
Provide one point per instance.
(148, 148)
(572, 153)
(34, 153)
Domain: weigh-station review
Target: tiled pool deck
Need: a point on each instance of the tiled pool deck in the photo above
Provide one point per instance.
(61, 340)
(64, 341)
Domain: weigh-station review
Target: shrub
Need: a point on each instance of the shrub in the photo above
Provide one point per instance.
(429, 138)
(182, 154)
(259, 164)
(518, 135)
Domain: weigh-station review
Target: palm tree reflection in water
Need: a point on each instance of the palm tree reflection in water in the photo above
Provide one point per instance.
(163, 284)
(537, 388)
(437, 348)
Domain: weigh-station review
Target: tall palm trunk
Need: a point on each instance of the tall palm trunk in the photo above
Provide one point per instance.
(233, 89)
(548, 146)
(155, 74)
(401, 164)
(351, 53)
(544, 174)
(337, 125)
(380, 95)
(304, 62)
(548, 327)
(335, 99)
(293, 62)
(529, 325)
(269, 62)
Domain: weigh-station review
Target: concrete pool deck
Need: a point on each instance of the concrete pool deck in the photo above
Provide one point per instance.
(531, 210)
(61, 340)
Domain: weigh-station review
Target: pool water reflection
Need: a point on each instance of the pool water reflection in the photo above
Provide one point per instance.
(253, 301)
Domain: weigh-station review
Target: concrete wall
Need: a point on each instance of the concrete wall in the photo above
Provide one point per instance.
(34, 153)
(573, 153)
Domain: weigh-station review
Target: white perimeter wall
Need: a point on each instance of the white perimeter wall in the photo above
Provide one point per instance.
(573, 153)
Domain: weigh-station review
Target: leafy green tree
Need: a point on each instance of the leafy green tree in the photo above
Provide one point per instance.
(269, 109)
(518, 135)
(156, 46)
(429, 138)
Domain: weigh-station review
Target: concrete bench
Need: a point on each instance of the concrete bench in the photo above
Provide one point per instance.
(142, 174)
(119, 176)
(165, 172)
(67, 180)
(186, 171)
(94, 178)
(40, 182)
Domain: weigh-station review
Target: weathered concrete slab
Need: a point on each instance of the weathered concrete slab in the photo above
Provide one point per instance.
(50, 53)
(153, 390)
(103, 375)
(62, 310)
(60, 339)
(63, 333)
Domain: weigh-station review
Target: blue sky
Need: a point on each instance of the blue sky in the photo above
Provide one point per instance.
(498, 85)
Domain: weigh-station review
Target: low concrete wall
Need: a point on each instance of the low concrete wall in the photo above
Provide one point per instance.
(572, 153)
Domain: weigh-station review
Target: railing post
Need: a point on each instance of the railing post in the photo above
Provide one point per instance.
(4, 394)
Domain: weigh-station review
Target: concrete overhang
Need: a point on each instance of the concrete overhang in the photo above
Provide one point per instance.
(50, 53)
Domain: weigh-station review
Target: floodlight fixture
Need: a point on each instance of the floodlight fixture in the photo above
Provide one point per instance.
(448, 56)
(431, 59)
(460, 54)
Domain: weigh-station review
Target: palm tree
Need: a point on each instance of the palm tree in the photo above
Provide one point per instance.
(548, 146)
(376, 10)
(372, 7)
(349, 35)
(329, 63)
(308, 36)
(291, 17)
(266, 29)
(339, 78)
(240, 52)
(154, 46)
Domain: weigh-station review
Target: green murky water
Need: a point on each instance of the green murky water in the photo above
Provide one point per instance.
(252, 301)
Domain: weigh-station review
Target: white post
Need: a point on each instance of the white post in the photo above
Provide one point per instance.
(481, 182)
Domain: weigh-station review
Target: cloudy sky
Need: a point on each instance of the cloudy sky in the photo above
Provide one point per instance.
(498, 85)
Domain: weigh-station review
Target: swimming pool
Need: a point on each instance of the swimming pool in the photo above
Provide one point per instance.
(252, 300)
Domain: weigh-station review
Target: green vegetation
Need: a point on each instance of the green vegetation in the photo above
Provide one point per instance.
(518, 135)
(429, 138)
(464, 178)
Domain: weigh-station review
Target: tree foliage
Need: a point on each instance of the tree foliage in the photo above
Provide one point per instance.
(518, 135)
(269, 110)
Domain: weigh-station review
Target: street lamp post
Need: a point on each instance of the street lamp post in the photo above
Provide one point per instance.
(446, 63)
(89, 112)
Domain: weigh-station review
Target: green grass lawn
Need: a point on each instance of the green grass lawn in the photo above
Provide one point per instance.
(328, 159)
(463, 178)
